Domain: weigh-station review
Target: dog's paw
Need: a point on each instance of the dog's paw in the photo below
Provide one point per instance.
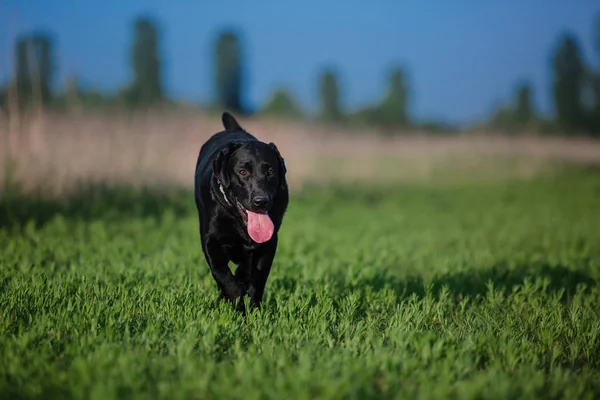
(236, 290)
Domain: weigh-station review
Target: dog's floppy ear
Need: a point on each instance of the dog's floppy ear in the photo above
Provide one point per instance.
(282, 168)
(221, 160)
(230, 123)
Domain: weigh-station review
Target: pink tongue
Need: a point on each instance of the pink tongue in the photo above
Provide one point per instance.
(260, 227)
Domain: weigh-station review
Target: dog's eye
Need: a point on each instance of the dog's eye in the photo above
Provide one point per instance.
(243, 172)
(270, 171)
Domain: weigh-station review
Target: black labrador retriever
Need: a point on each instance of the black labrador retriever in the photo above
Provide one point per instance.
(241, 195)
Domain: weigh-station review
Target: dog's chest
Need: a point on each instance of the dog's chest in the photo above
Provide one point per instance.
(237, 252)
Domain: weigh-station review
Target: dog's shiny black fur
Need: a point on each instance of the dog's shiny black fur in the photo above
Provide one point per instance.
(223, 232)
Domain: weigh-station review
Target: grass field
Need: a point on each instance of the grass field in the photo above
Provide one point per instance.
(420, 290)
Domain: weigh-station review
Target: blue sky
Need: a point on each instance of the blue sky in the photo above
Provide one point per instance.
(462, 57)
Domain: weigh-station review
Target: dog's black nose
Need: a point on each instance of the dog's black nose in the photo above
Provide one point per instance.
(260, 201)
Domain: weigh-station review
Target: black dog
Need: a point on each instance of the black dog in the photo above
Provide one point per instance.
(241, 195)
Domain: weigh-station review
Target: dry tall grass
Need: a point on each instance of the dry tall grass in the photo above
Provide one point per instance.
(53, 152)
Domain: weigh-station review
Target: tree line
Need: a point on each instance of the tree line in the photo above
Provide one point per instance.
(575, 87)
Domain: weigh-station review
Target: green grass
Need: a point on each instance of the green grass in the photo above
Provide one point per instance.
(485, 290)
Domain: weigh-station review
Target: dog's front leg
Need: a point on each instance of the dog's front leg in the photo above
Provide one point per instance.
(244, 268)
(262, 260)
(231, 288)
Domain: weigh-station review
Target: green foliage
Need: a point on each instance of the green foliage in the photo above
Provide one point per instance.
(596, 33)
(228, 71)
(503, 118)
(519, 116)
(329, 89)
(393, 110)
(282, 104)
(467, 291)
(34, 68)
(595, 78)
(595, 109)
(569, 78)
(437, 127)
(146, 88)
(524, 113)
(78, 96)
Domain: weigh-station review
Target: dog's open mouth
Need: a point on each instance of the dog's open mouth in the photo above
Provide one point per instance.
(259, 225)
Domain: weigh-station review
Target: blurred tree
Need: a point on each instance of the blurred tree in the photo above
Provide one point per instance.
(595, 78)
(503, 119)
(569, 78)
(4, 90)
(146, 88)
(228, 71)
(393, 109)
(34, 68)
(524, 114)
(72, 97)
(330, 95)
(282, 104)
(596, 33)
(364, 116)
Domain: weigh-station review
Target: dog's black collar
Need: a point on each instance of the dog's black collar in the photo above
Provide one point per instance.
(222, 191)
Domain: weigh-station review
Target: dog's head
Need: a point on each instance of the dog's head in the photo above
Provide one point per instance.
(251, 173)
